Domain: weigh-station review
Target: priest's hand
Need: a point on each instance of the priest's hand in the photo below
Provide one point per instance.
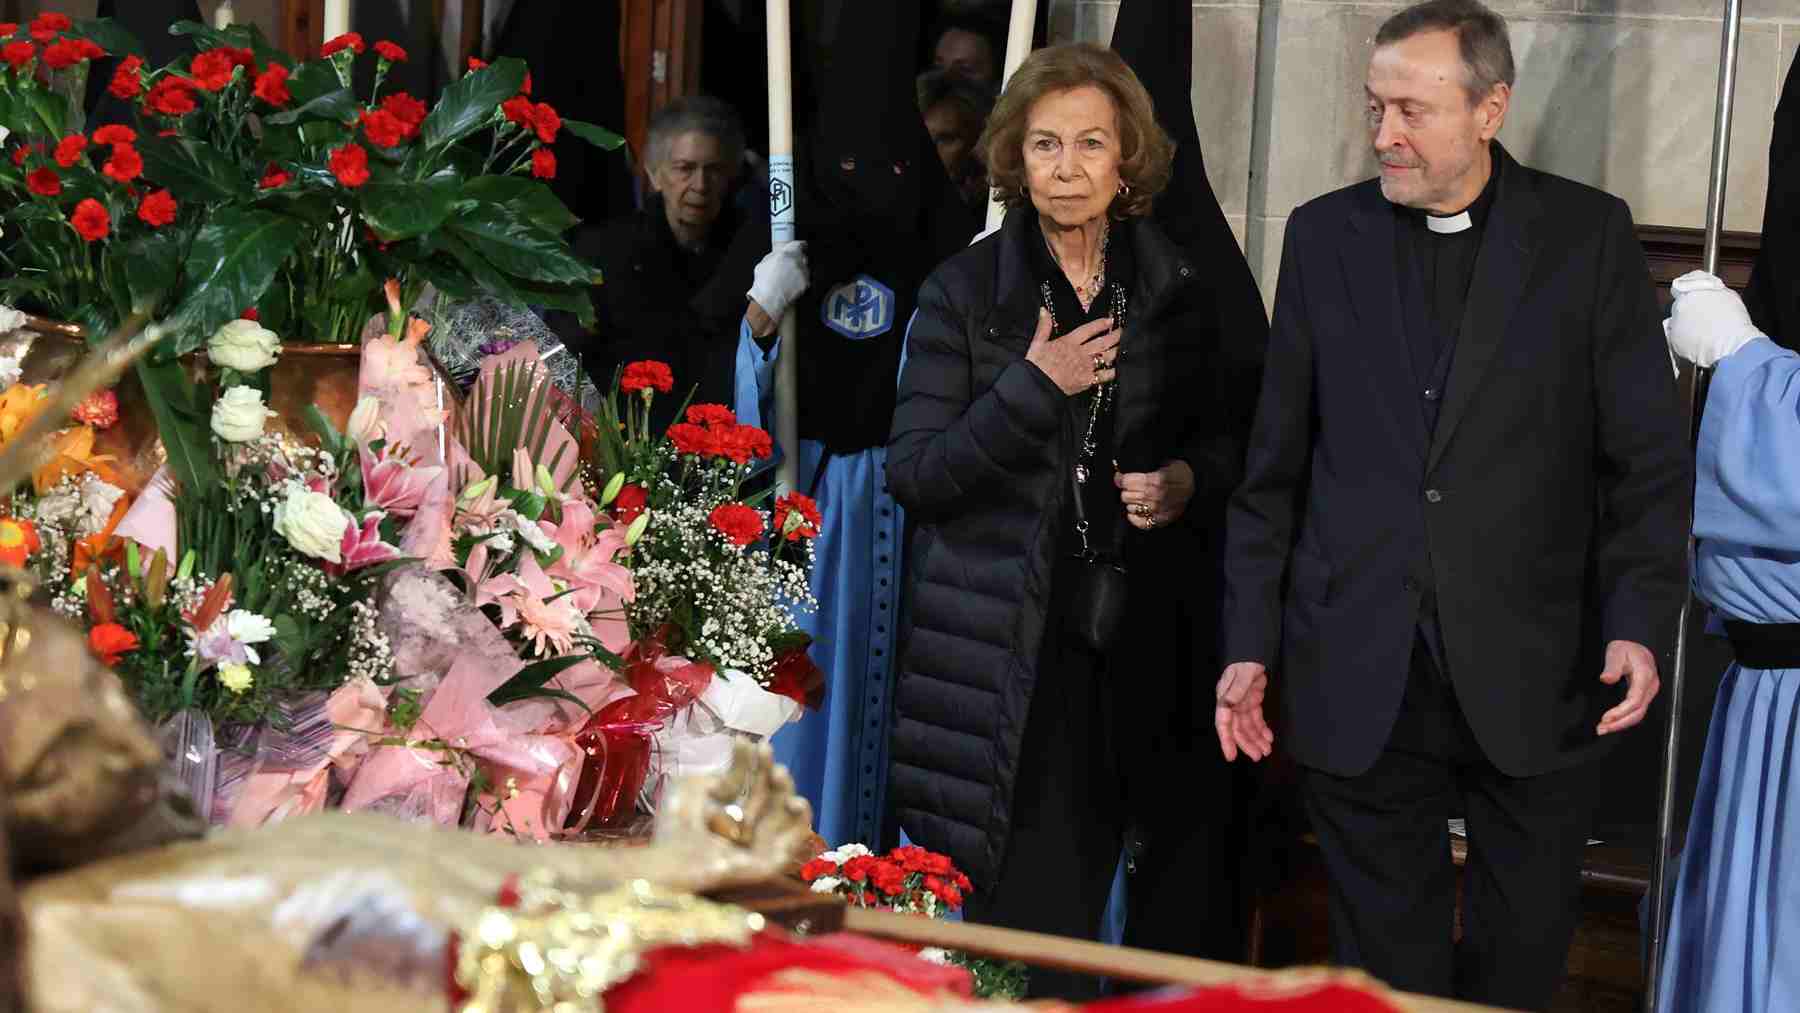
(1239, 716)
(1637, 666)
(1708, 321)
(1157, 498)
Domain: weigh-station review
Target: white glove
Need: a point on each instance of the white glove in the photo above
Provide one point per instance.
(780, 278)
(1708, 321)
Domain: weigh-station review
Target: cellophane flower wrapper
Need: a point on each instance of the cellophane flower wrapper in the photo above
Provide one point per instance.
(294, 768)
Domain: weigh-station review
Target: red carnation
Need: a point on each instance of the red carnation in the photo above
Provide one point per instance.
(18, 54)
(172, 96)
(646, 374)
(250, 314)
(90, 51)
(212, 69)
(889, 878)
(796, 517)
(406, 109)
(158, 209)
(271, 86)
(740, 524)
(99, 409)
(691, 439)
(91, 220)
(125, 164)
(475, 64)
(349, 40)
(519, 110)
(630, 503)
(114, 133)
(44, 182)
(273, 177)
(816, 868)
(711, 415)
(8, 28)
(20, 154)
(109, 641)
(350, 164)
(383, 128)
(525, 89)
(69, 149)
(741, 443)
(543, 163)
(126, 82)
(858, 869)
(390, 52)
(545, 121)
(45, 26)
(62, 54)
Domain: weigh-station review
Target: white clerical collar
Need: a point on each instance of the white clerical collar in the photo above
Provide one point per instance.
(1451, 224)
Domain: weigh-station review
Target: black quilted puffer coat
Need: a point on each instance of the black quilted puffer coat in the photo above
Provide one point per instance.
(980, 459)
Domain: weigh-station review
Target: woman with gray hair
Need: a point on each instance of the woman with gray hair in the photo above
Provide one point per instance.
(684, 270)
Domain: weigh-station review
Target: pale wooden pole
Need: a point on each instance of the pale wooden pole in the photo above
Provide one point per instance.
(336, 19)
(1018, 46)
(1661, 874)
(781, 232)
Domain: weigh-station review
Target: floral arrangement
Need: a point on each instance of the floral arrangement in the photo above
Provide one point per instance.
(248, 180)
(912, 880)
(717, 576)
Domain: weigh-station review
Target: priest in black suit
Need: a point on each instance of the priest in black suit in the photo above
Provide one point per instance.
(1459, 547)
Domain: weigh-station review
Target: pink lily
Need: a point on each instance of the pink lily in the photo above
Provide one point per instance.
(550, 625)
(602, 586)
(363, 546)
(393, 484)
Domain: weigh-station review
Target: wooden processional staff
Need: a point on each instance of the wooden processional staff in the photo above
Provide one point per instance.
(1661, 875)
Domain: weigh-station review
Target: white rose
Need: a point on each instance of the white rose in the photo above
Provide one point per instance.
(239, 414)
(234, 677)
(825, 884)
(313, 524)
(365, 423)
(243, 345)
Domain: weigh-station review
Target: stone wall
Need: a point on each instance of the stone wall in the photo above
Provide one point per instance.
(1615, 93)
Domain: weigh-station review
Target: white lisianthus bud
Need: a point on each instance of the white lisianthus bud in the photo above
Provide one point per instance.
(636, 531)
(243, 345)
(235, 677)
(546, 483)
(365, 420)
(476, 490)
(238, 415)
(313, 524)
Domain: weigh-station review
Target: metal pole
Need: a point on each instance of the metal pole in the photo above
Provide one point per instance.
(1018, 46)
(781, 232)
(1661, 875)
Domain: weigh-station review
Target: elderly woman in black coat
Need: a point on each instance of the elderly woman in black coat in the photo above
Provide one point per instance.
(1069, 425)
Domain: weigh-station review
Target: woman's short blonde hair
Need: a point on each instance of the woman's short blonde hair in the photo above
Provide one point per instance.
(1146, 151)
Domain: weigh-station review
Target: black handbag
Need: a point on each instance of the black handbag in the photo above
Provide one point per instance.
(1096, 604)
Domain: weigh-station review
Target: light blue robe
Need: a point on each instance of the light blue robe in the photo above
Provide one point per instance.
(839, 755)
(1734, 931)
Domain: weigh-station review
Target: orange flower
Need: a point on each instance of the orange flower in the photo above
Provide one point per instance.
(18, 540)
(72, 454)
(19, 404)
(102, 544)
(109, 641)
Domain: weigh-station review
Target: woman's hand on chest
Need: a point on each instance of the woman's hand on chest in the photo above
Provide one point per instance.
(1080, 359)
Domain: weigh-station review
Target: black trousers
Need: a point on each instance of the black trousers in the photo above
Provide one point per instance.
(1393, 884)
(1089, 774)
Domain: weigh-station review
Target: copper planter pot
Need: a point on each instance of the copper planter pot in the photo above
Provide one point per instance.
(321, 376)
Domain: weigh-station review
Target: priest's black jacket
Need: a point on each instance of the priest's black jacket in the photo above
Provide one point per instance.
(1544, 512)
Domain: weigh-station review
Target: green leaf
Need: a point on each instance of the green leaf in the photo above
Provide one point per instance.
(487, 280)
(50, 109)
(312, 80)
(233, 258)
(335, 106)
(329, 437)
(182, 418)
(570, 299)
(151, 264)
(238, 36)
(515, 245)
(531, 680)
(108, 35)
(599, 137)
(192, 171)
(403, 210)
(470, 102)
(526, 197)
